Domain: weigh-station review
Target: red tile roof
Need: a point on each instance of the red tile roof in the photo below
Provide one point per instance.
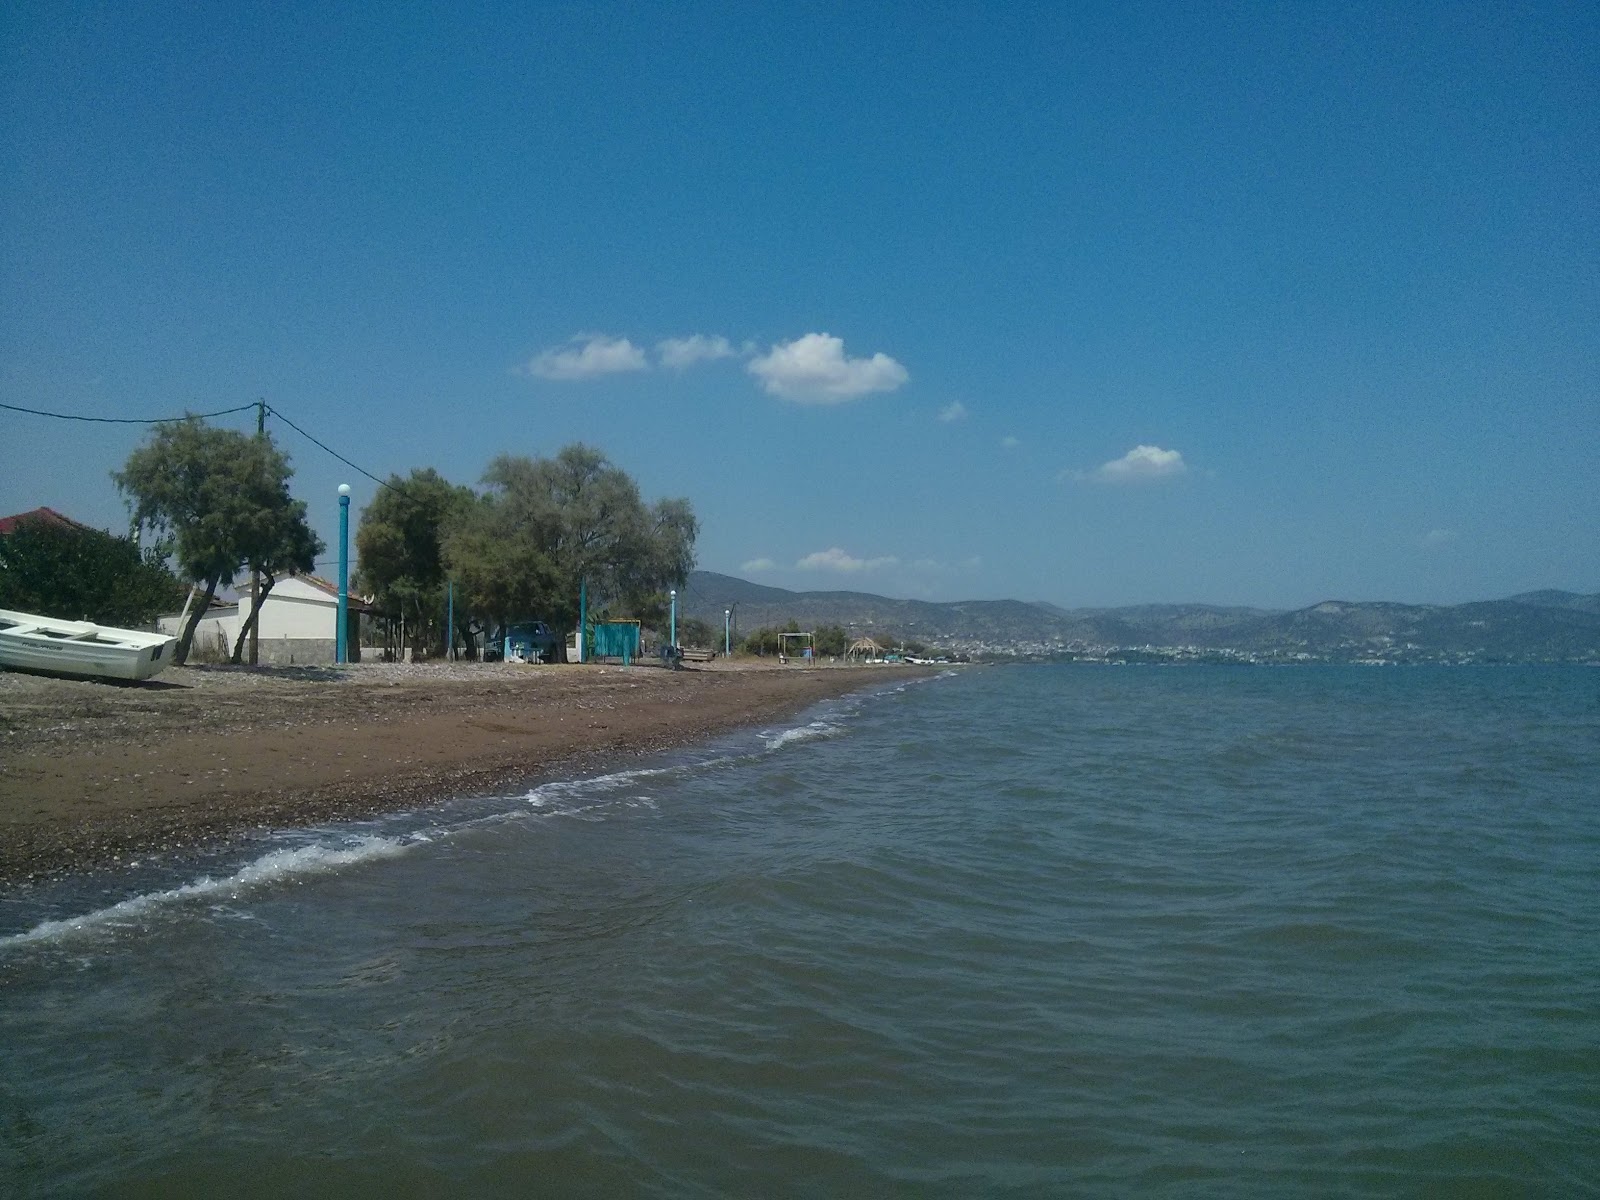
(48, 515)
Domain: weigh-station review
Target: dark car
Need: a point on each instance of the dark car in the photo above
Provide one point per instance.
(531, 641)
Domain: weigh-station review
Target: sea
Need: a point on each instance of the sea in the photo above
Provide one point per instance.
(1070, 930)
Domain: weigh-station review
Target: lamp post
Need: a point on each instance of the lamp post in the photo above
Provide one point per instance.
(342, 635)
(727, 633)
(673, 639)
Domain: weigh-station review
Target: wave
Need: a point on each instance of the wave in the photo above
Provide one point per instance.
(579, 797)
(549, 795)
(564, 797)
(800, 733)
(273, 867)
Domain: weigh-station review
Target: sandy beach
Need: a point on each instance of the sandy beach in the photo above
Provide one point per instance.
(92, 774)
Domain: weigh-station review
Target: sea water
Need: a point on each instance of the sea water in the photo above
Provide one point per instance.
(1024, 931)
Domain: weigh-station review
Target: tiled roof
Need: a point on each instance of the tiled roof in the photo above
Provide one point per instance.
(48, 515)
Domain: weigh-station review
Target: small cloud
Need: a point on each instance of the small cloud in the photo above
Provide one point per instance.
(758, 564)
(1139, 465)
(835, 559)
(814, 370)
(1009, 443)
(1434, 539)
(679, 353)
(588, 356)
(953, 411)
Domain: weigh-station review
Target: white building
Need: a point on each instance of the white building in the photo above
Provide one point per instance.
(298, 626)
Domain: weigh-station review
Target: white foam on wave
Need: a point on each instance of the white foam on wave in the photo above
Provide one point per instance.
(559, 794)
(274, 867)
(800, 733)
(582, 797)
(575, 797)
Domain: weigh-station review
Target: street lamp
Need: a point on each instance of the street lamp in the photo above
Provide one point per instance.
(342, 634)
(727, 633)
(673, 639)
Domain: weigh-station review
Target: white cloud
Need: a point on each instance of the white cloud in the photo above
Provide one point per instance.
(1436, 538)
(835, 559)
(758, 564)
(814, 370)
(1139, 465)
(1010, 443)
(679, 353)
(588, 356)
(953, 411)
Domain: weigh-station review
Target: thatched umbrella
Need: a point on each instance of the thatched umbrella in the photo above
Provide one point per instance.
(864, 648)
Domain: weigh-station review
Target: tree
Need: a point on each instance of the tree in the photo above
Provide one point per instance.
(280, 542)
(766, 640)
(77, 573)
(400, 548)
(211, 498)
(546, 526)
(692, 631)
(832, 640)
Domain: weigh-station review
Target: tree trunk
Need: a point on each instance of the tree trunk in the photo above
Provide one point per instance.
(255, 606)
(181, 654)
(247, 631)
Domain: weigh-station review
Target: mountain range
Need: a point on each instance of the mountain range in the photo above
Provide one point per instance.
(1543, 626)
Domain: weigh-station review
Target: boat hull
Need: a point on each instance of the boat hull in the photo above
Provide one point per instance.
(81, 650)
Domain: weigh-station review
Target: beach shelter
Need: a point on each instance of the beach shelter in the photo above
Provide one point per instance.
(616, 639)
(864, 647)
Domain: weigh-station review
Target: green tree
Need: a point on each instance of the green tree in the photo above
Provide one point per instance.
(278, 542)
(500, 571)
(400, 548)
(75, 573)
(832, 639)
(211, 498)
(765, 640)
(545, 526)
(692, 631)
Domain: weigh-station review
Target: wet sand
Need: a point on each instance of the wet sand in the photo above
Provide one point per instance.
(94, 773)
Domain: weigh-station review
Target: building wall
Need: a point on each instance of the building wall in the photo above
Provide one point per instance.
(219, 628)
(295, 609)
(297, 628)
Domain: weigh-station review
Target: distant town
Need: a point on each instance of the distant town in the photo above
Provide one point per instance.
(1534, 627)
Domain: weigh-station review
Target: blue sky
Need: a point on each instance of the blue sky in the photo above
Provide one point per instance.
(1095, 304)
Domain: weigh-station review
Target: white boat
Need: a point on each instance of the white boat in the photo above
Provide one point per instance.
(80, 648)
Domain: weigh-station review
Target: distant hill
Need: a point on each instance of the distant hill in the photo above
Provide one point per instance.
(1555, 599)
(1546, 626)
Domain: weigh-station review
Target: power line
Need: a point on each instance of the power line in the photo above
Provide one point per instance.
(221, 412)
(36, 412)
(332, 451)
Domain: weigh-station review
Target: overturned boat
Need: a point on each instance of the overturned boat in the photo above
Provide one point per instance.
(80, 649)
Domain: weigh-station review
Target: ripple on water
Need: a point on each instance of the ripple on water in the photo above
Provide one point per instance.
(1048, 932)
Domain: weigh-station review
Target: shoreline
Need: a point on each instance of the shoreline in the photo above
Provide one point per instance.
(94, 773)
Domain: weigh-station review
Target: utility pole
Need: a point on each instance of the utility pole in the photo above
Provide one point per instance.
(255, 567)
(341, 637)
